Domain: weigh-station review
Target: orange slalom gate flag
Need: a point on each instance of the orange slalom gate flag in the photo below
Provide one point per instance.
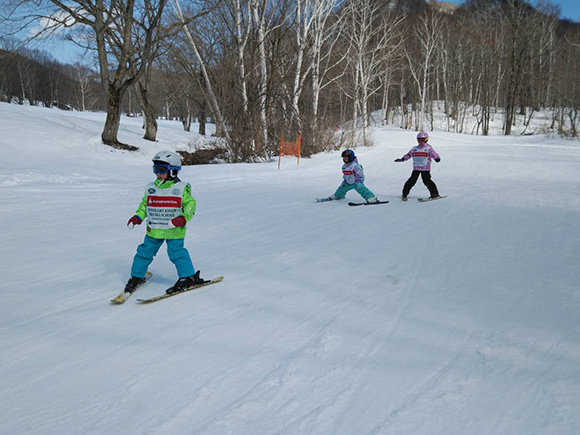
(289, 149)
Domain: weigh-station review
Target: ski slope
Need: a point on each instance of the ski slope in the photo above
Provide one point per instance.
(458, 316)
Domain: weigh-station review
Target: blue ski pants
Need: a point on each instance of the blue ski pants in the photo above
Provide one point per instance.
(178, 255)
(359, 187)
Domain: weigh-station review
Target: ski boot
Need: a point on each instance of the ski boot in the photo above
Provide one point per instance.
(183, 284)
(373, 200)
(133, 283)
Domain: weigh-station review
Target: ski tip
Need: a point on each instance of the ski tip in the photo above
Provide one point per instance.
(121, 299)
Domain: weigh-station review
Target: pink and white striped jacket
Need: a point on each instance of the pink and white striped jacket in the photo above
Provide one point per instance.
(353, 172)
(422, 155)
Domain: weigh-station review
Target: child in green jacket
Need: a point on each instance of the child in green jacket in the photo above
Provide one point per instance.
(168, 206)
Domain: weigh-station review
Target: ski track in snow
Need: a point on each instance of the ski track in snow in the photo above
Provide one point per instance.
(458, 316)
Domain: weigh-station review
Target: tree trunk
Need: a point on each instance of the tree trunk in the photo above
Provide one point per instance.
(185, 116)
(364, 113)
(202, 116)
(355, 105)
(241, 44)
(109, 135)
(263, 75)
(573, 115)
(297, 89)
(148, 110)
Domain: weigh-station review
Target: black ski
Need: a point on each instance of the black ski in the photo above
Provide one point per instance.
(431, 199)
(355, 204)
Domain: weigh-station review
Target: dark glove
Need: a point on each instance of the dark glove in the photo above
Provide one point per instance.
(179, 221)
(399, 160)
(135, 220)
(438, 160)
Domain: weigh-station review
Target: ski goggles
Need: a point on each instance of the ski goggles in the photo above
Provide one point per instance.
(164, 169)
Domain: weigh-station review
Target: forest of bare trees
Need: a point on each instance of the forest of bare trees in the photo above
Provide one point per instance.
(260, 68)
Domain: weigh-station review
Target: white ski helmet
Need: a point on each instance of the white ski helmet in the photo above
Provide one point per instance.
(169, 157)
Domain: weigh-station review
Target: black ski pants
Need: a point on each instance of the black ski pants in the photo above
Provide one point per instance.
(426, 177)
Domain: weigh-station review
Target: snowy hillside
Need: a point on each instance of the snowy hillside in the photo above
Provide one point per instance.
(456, 317)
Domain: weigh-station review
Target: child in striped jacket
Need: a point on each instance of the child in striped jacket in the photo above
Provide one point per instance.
(353, 178)
(422, 154)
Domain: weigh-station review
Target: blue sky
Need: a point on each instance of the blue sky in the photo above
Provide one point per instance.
(570, 8)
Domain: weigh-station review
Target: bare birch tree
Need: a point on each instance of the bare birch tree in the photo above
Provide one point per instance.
(259, 13)
(311, 32)
(242, 33)
(426, 33)
(221, 128)
(83, 76)
(370, 43)
(325, 35)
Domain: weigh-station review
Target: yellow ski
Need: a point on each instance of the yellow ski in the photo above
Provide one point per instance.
(165, 296)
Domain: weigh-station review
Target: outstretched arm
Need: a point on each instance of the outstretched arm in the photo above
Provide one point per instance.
(404, 158)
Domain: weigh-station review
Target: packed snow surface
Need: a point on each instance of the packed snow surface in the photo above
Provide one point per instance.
(458, 316)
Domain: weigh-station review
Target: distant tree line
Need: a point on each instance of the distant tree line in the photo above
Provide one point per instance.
(35, 77)
(259, 68)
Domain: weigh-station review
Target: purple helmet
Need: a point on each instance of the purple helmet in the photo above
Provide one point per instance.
(422, 135)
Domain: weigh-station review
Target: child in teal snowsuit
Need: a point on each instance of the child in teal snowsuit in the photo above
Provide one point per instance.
(352, 172)
(168, 206)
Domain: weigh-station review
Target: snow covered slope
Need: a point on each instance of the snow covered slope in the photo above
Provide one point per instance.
(459, 316)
